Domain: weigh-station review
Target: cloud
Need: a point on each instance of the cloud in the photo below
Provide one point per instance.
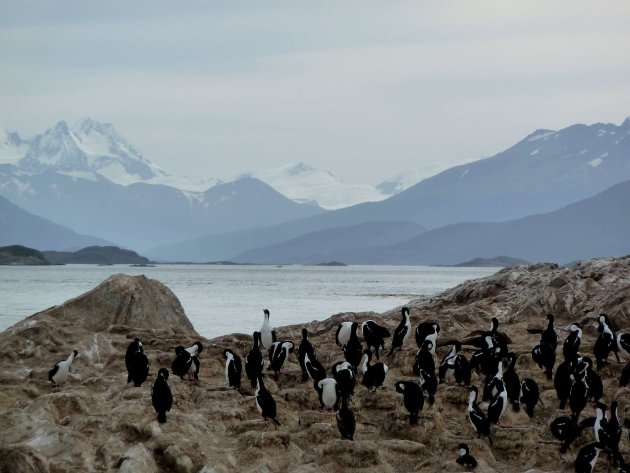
(337, 85)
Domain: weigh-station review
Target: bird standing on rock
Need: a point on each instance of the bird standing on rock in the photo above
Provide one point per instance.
(477, 418)
(267, 334)
(373, 375)
(374, 336)
(413, 398)
(265, 403)
(401, 334)
(161, 396)
(137, 363)
(278, 354)
(305, 347)
(59, 373)
(346, 422)
(465, 458)
(233, 369)
(254, 362)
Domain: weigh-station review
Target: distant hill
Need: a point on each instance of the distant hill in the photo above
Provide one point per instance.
(332, 244)
(18, 255)
(497, 261)
(543, 172)
(593, 227)
(96, 255)
(23, 228)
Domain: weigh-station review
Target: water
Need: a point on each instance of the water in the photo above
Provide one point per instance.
(225, 299)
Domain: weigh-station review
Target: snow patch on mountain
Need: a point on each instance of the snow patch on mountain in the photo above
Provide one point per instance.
(12, 147)
(303, 183)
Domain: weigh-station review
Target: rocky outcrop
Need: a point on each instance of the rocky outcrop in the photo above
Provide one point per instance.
(96, 422)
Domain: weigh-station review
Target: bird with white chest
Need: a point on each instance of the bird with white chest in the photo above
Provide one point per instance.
(267, 333)
(59, 373)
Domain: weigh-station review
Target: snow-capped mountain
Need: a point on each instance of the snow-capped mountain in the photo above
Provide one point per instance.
(403, 181)
(12, 147)
(90, 179)
(302, 183)
(87, 149)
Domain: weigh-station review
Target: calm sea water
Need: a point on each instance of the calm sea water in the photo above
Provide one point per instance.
(225, 299)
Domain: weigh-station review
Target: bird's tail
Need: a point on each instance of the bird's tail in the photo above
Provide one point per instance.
(413, 418)
(129, 378)
(276, 421)
(549, 375)
(516, 406)
(161, 417)
(530, 410)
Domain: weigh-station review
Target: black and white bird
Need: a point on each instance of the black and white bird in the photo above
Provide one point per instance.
(137, 363)
(424, 358)
(600, 424)
(373, 375)
(304, 348)
(448, 361)
(429, 384)
(343, 333)
(545, 357)
(530, 395)
(562, 382)
(623, 342)
(161, 395)
(345, 376)
(59, 373)
(267, 334)
(254, 362)
(512, 382)
(233, 369)
(549, 335)
(353, 350)
(328, 394)
(491, 388)
(499, 402)
(462, 370)
(594, 381)
(606, 341)
(465, 458)
(401, 334)
(314, 368)
(567, 430)
(426, 330)
(265, 403)
(413, 398)
(477, 418)
(374, 336)
(571, 346)
(278, 354)
(613, 428)
(578, 396)
(587, 458)
(186, 361)
(346, 422)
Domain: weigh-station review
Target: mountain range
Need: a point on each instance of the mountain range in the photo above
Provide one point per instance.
(90, 179)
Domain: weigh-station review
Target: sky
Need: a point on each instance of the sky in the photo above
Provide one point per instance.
(363, 89)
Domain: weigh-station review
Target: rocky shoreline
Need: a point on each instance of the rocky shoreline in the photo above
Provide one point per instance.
(97, 422)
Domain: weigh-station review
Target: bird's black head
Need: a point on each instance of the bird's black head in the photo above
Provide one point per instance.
(550, 317)
(199, 346)
(405, 310)
(163, 372)
(304, 333)
(400, 386)
(76, 352)
(463, 446)
(266, 312)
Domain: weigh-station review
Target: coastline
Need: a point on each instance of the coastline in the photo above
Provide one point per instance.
(98, 423)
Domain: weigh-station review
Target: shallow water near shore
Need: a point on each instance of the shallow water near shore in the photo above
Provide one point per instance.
(221, 299)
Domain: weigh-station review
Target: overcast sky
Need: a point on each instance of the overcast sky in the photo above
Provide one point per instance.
(363, 89)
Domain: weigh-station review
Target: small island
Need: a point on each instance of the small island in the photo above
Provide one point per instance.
(18, 255)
